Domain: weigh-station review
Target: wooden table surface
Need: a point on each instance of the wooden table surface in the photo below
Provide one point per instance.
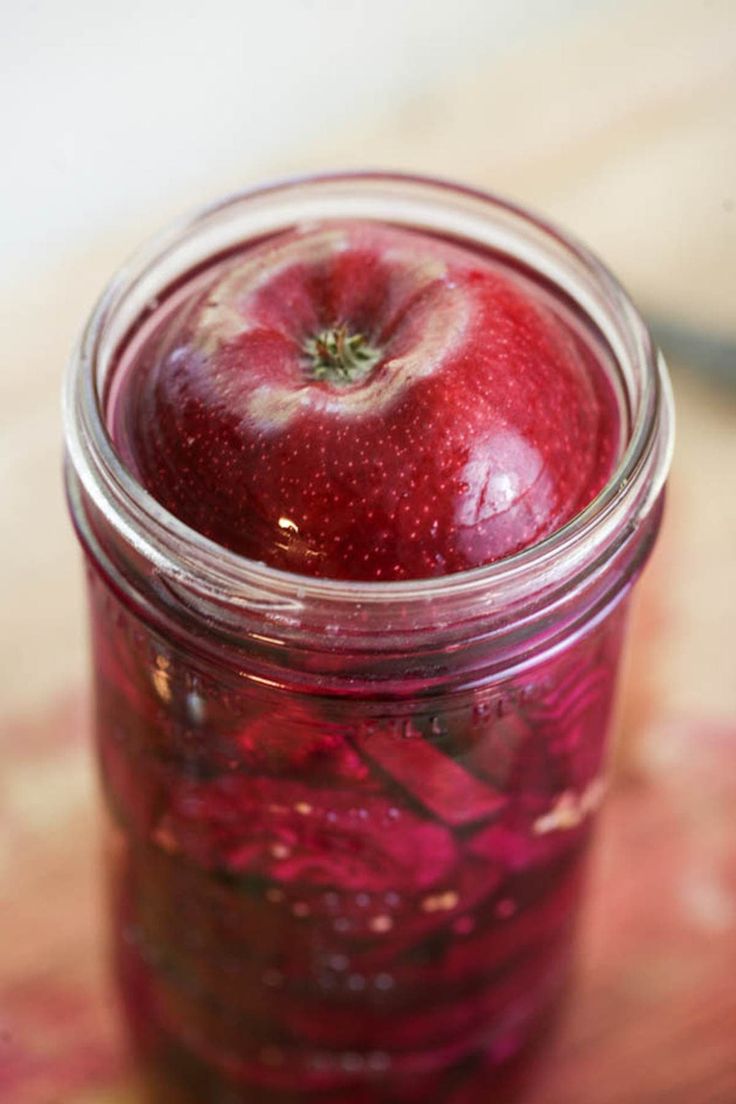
(623, 130)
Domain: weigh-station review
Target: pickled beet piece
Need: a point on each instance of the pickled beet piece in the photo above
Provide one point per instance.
(295, 742)
(438, 783)
(292, 832)
(499, 748)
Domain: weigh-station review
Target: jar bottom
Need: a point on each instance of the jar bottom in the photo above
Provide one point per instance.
(171, 1073)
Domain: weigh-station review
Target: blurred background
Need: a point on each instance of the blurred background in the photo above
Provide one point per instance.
(614, 118)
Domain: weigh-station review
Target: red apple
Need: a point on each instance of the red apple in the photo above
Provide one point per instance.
(356, 401)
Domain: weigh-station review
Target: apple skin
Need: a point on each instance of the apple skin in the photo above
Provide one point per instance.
(481, 423)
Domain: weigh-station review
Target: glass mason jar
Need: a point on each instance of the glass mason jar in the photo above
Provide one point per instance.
(350, 820)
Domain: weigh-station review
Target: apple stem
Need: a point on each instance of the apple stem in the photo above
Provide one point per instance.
(339, 357)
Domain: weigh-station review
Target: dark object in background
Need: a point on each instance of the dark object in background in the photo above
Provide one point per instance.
(703, 350)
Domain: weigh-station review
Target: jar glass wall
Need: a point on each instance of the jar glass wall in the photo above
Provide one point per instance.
(350, 820)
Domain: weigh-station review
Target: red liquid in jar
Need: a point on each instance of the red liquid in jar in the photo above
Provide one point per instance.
(352, 902)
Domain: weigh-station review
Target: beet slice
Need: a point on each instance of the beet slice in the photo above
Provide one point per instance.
(438, 783)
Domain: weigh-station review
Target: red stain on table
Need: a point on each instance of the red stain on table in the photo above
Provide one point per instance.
(653, 1016)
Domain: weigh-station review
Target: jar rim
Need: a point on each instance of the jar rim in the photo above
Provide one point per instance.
(191, 560)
